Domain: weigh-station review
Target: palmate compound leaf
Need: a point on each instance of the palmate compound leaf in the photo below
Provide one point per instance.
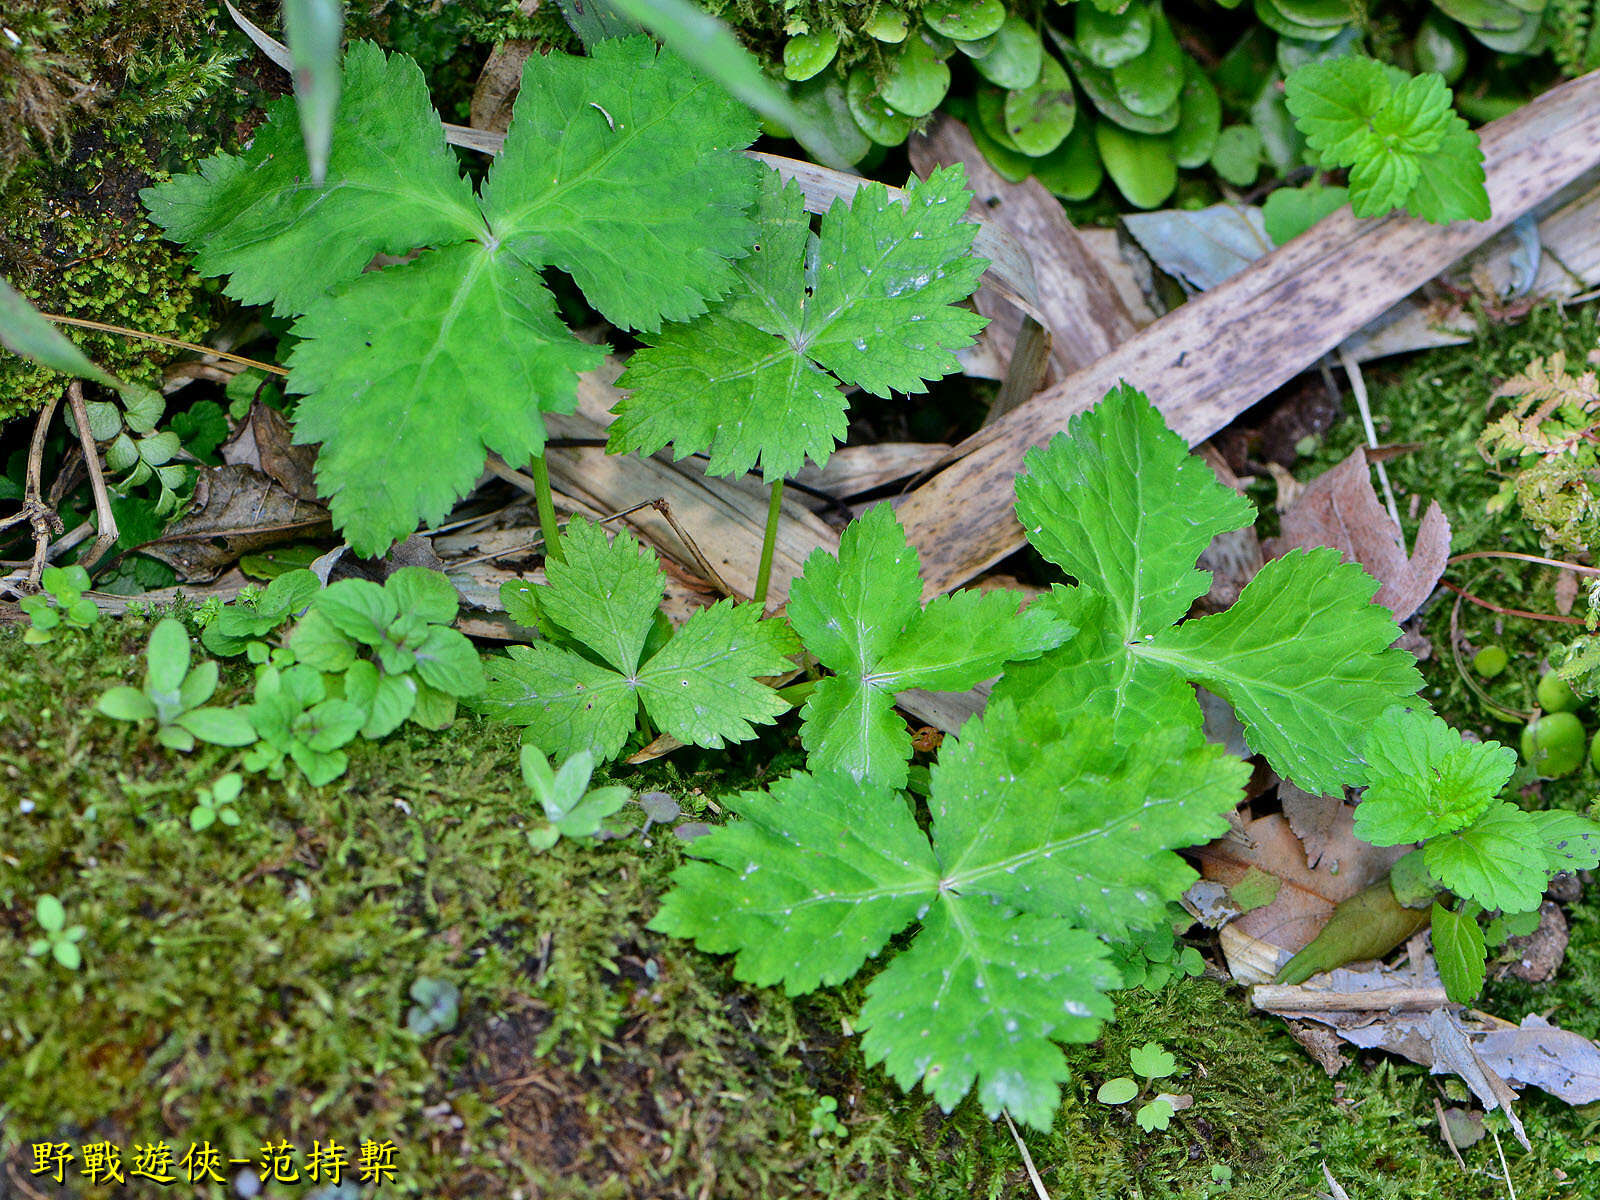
(757, 378)
(861, 614)
(701, 686)
(1046, 837)
(1132, 549)
(412, 374)
(1424, 779)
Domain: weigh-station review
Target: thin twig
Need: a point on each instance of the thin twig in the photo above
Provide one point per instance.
(1511, 1188)
(1444, 1130)
(165, 341)
(1358, 388)
(34, 511)
(1027, 1159)
(1529, 558)
(105, 520)
(1472, 684)
(661, 506)
(1508, 612)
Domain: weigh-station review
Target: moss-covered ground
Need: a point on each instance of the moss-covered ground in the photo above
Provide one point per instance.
(250, 984)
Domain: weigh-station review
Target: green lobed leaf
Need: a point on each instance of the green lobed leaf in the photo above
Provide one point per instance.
(392, 185)
(860, 613)
(982, 996)
(411, 374)
(623, 170)
(1153, 1061)
(603, 592)
(1450, 181)
(1333, 103)
(1119, 503)
(1500, 860)
(813, 879)
(1458, 948)
(1424, 779)
(749, 382)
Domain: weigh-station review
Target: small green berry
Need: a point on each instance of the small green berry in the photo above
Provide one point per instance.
(1554, 694)
(1490, 661)
(1553, 745)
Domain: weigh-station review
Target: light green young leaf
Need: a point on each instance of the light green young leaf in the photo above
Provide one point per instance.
(1424, 779)
(1154, 1115)
(1117, 1091)
(1153, 1061)
(861, 614)
(1450, 184)
(1458, 948)
(1571, 842)
(1500, 860)
(1334, 102)
(700, 686)
(750, 381)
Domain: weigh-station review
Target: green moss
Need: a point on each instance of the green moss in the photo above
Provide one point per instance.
(252, 983)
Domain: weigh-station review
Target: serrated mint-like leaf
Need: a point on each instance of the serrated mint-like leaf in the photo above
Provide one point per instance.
(1571, 842)
(1381, 179)
(750, 381)
(411, 374)
(392, 185)
(1459, 950)
(1450, 182)
(1050, 815)
(1333, 103)
(623, 170)
(1424, 779)
(1308, 711)
(700, 686)
(810, 882)
(861, 614)
(1416, 117)
(982, 996)
(1499, 861)
(1119, 503)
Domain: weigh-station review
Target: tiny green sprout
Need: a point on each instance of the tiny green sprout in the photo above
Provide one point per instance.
(296, 721)
(1151, 1061)
(175, 696)
(1553, 744)
(255, 613)
(573, 810)
(1555, 695)
(60, 940)
(824, 1121)
(215, 803)
(437, 1006)
(1490, 661)
(1221, 1177)
(61, 603)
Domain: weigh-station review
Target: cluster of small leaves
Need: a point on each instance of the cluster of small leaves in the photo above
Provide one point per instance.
(60, 940)
(608, 653)
(1404, 145)
(1053, 818)
(241, 627)
(621, 169)
(62, 603)
(572, 808)
(174, 696)
(137, 450)
(1150, 1062)
(869, 302)
(296, 720)
(216, 803)
(437, 1007)
(1152, 958)
(1547, 438)
(1426, 783)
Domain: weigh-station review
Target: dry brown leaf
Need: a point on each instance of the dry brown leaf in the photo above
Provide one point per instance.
(1535, 957)
(1233, 558)
(1318, 821)
(237, 510)
(1340, 509)
(265, 441)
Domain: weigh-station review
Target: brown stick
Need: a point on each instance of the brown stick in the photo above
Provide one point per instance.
(34, 510)
(105, 520)
(1206, 362)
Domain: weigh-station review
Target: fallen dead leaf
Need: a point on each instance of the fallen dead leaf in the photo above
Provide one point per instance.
(1340, 509)
(1318, 821)
(265, 441)
(1535, 957)
(237, 510)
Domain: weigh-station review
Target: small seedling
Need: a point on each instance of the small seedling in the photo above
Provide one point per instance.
(61, 603)
(60, 940)
(1151, 1062)
(174, 696)
(824, 1121)
(437, 1006)
(296, 720)
(215, 803)
(573, 810)
(253, 616)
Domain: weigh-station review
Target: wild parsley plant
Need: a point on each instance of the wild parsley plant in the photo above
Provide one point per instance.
(1054, 817)
(622, 169)
(870, 301)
